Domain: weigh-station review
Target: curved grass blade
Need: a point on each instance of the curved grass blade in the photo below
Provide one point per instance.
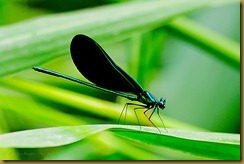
(207, 144)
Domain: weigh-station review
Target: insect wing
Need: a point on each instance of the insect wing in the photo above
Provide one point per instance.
(95, 65)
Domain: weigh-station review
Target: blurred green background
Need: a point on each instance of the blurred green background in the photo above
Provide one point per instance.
(199, 81)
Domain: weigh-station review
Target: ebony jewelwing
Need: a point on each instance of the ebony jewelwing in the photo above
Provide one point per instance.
(96, 66)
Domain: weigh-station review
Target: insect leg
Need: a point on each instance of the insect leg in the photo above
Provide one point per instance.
(141, 107)
(149, 118)
(125, 109)
(161, 118)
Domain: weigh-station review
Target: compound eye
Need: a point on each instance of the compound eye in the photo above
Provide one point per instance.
(162, 103)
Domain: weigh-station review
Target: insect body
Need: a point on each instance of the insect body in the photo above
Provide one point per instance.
(96, 66)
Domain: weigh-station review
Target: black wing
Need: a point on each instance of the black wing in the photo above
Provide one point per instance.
(95, 65)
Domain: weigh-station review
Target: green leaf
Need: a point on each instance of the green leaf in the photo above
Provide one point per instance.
(207, 144)
(37, 112)
(221, 47)
(83, 102)
(36, 41)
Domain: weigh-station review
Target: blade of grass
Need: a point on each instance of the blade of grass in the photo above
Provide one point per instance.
(85, 103)
(37, 112)
(208, 144)
(36, 41)
(5, 153)
(66, 97)
(46, 116)
(150, 55)
(219, 46)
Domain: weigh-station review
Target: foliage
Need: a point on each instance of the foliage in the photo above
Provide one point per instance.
(217, 145)
(134, 33)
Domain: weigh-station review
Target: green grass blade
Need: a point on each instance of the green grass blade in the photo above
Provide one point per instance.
(85, 103)
(39, 40)
(207, 144)
(30, 110)
(219, 46)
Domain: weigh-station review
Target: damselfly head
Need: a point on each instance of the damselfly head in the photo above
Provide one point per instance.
(162, 103)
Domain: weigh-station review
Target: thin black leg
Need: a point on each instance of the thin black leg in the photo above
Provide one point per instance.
(149, 118)
(141, 107)
(161, 118)
(125, 108)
